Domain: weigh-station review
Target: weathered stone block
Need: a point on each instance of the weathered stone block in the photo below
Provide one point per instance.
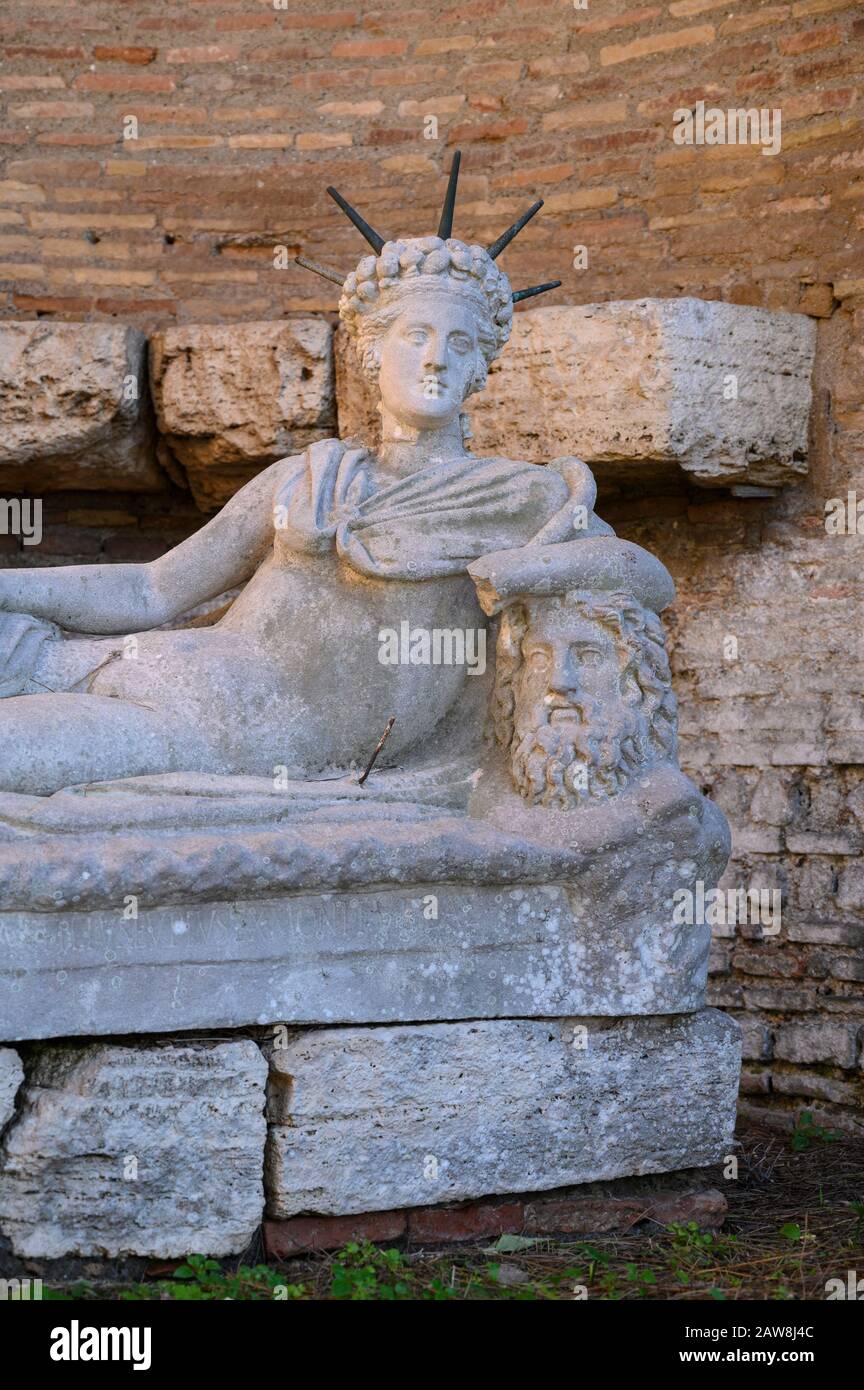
(11, 1076)
(823, 1041)
(371, 1119)
(232, 398)
(74, 409)
(756, 1039)
(812, 1086)
(639, 389)
(850, 892)
(136, 1150)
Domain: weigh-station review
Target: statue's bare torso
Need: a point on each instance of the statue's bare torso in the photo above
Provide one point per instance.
(288, 678)
(290, 675)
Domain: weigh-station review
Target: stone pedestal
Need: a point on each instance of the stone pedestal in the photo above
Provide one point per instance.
(558, 1029)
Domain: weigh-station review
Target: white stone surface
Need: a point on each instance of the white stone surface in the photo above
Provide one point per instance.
(231, 398)
(136, 1150)
(74, 409)
(182, 911)
(11, 1076)
(639, 388)
(369, 1119)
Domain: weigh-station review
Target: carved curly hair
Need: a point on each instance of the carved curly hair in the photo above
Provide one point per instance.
(373, 294)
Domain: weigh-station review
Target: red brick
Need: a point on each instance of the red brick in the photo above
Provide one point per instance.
(80, 140)
(502, 72)
(110, 82)
(56, 55)
(205, 53)
(370, 48)
(466, 1222)
(403, 76)
(620, 21)
(50, 304)
(812, 39)
(45, 170)
(61, 109)
(485, 101)
(136, 306)
(337, 19)
(283, 1239)
(123, 53)
(493, 130)
(279, 53)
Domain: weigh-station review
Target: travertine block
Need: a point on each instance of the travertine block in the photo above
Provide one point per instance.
(136, 1150)
(232, 398)
(639, 389)
(74, 409)
(365, 1119)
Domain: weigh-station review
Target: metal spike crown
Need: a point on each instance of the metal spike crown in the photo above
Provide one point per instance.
(445, 230)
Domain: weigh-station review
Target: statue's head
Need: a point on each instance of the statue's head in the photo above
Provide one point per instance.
(428, 317)
(583, 699)
(428, 314)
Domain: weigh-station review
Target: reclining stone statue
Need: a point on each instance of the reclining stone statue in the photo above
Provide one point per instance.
(195, 833)
(330, 546)
(568, 741)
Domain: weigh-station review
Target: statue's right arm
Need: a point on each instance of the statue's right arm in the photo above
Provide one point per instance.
(133, 597)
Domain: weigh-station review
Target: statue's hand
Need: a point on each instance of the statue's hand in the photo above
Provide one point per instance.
(21, 638)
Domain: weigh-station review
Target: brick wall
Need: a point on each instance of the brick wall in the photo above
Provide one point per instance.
(776, 737)
(245, 112)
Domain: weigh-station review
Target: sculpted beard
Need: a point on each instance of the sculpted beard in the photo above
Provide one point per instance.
(595, 749)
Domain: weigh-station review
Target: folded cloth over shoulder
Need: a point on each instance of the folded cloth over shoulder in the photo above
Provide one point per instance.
(432, 523)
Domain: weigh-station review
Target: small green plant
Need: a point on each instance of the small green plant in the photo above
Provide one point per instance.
(362, 1273)
(692, 1237)
(806, 1133)
(200, 1279)
(791, 1231)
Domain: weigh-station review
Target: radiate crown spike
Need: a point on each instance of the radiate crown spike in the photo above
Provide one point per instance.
(445, 226)
(374, 240)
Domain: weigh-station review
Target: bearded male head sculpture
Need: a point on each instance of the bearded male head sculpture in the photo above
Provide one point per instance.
(582, 702)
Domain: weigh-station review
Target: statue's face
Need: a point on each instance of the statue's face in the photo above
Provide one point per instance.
(582, 702)
(568, 659)
(428, 360)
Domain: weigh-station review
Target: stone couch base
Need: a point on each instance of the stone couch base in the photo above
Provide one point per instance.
(362, 957)
(161, 1148)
